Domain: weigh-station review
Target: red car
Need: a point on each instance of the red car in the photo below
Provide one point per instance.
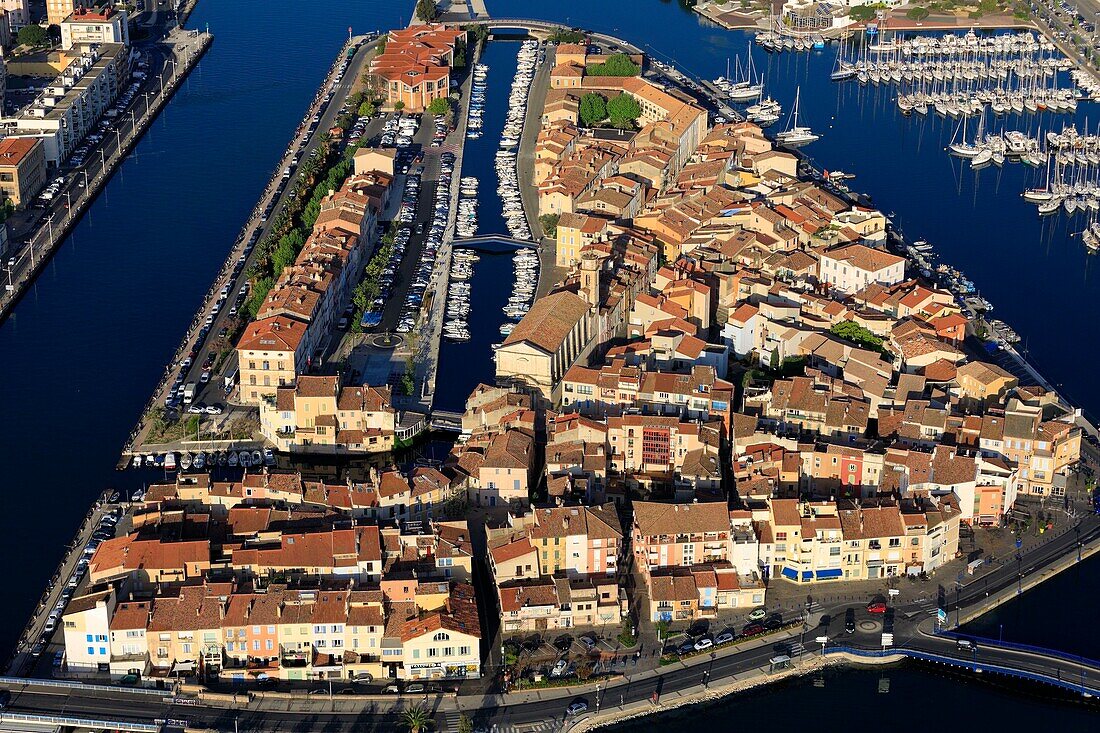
(752, 630)
(876, 607)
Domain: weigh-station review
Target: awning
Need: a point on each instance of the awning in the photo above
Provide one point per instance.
(790, 573)
(183, 667)
(807, 575)
(830, 573)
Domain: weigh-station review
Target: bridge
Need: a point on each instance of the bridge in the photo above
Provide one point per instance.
(483, 239)
(447, 421)
(1047, 667)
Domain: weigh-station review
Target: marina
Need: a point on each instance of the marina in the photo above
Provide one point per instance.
(483, 272)
(507, 175)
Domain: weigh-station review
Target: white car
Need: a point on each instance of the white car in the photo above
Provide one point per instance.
(703, 643)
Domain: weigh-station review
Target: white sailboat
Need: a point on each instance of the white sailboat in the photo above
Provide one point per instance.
(795, 134)
(749, 88)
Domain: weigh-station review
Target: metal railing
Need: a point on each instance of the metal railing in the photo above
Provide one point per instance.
(974, 665)
(69, 684)
(987, 641)
(70, 722)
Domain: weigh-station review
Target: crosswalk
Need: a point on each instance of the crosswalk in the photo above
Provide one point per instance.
(448, 722)
(928, 606)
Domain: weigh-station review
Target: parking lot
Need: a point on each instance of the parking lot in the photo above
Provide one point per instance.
(195, 383)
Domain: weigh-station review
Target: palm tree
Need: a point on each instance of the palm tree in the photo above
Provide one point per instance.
(416, 719)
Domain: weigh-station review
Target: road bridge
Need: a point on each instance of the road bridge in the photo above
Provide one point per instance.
(484, 239)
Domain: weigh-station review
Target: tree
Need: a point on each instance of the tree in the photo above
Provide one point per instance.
(260, 289)
(398, 106)
(416, 719)
(617, 64)
(32, 35)
(918, 13)
(408, 379)
(585, 671)
(623, 110)
(367, 109)
(775, 361)
(426, 10)
(440, 106)
(465, 724)
(593, 109)
(565, 35)
(549, 224)
(856, 333)
(862, 13)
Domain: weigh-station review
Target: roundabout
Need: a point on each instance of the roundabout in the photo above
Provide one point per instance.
(386, 340)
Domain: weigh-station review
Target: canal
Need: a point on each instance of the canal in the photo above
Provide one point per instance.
(465, 364)
(83, 350)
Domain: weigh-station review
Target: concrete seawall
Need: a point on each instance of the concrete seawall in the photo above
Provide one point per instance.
(58, 232)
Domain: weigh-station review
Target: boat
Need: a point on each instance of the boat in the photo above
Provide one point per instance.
(796, 135)
(245, 458)
(232, 459)
(257, 458)
(982, 159)
(1047, 208)
(169, 461)
(185, 461)
(199, 462)
(222, 460)
(136, 462)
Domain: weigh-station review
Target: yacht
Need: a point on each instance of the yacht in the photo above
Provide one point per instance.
(796, 135)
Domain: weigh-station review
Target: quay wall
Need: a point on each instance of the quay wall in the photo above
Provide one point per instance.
(73, 216)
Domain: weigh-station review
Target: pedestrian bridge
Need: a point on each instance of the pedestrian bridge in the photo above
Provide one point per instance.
(482, 240)
(447, 421)
(1067, 672)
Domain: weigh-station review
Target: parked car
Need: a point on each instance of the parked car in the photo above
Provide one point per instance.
(724, 638)
(876, 607)
(703, 643)
(753, 630)
(758, 614)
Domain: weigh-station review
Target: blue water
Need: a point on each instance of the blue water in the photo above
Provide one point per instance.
(463, 365)
(84, 348)
(1039, 279)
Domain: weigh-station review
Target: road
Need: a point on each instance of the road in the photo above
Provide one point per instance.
(233, 272)
(38, 229)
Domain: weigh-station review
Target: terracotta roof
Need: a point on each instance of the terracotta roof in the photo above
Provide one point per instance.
(549, 321)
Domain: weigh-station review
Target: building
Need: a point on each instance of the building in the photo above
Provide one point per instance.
(852, 267)
(558, 332)
(414, 69)
(22, 168)
(318, 414)
(18, 13)
(299, 311)
(86, 27)
(270, 353)
(69, 107)
(87, 630)
(58, 10)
